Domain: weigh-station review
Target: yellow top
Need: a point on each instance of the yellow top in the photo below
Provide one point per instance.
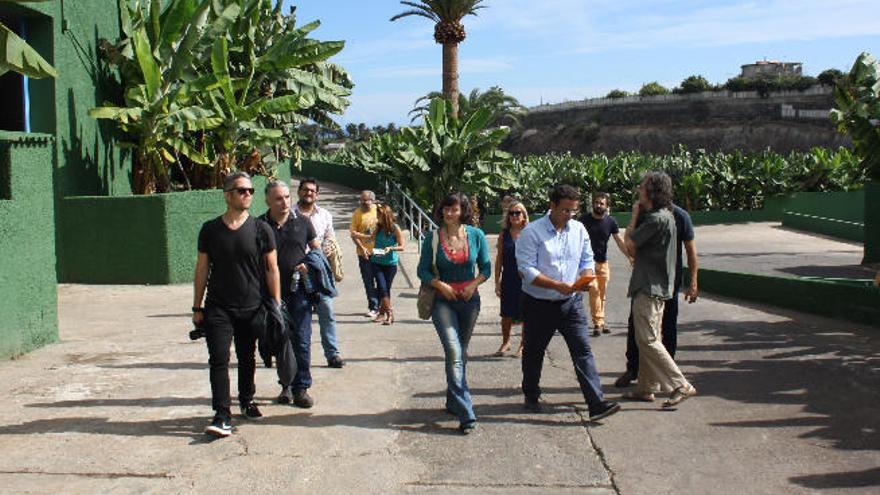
(365, 223)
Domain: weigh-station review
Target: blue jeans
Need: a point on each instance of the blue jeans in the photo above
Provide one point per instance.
(541, 320)
(300, 336)
(366, 267)
(327, 322)
(669, 335)
(454, 322)
(384, 275)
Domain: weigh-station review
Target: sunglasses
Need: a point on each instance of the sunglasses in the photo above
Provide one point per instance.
(242, 190)
(515, 213)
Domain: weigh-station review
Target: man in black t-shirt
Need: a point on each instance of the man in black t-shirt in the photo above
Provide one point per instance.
(601, 226)
(294, 235)
(236, 255)
(685, 243)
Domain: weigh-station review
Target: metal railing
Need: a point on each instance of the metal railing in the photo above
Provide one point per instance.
(413, 217)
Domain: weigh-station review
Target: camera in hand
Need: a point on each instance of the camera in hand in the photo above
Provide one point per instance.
(196, 333)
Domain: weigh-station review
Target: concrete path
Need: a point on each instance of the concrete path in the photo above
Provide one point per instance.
(788, 403)
(767, 248)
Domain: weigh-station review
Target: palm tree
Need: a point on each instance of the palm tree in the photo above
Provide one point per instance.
(449, 32)
(504, 108)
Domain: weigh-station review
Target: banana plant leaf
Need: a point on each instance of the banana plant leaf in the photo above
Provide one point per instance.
(17, 56)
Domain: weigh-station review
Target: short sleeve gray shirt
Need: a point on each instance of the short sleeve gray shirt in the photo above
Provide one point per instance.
(654, 269)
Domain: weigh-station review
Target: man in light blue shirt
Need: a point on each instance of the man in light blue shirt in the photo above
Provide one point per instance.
(552, 253)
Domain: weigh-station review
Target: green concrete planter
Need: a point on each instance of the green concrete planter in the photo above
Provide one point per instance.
(872, 223)
(848, 300)
(28, 300)
(137, 239)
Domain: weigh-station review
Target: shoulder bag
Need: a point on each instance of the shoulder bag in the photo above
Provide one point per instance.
(427, 293)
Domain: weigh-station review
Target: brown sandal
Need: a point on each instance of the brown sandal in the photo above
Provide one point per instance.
(679, 395)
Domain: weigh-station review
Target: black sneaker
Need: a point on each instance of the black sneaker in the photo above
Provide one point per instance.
(285, 397)
(604, 410)
(220, 427)
(596, 332)
(335, 362)
(251, 411)
(624, 380)
(605, 329)
(301, 398)
(533, 406)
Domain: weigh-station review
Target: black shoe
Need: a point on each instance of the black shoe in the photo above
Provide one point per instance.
(604, 410)
(220, 427)
(596, 332)
(605, 329)
(533, 406)
(467, 428)
(335, 362)
(251, 411)
(625, 380)
(301, 398)
(285, 397)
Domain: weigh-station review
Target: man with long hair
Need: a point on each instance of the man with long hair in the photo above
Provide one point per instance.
(651, 239)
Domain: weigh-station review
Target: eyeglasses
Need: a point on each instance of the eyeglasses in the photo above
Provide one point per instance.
(242, 190)
(515, 213)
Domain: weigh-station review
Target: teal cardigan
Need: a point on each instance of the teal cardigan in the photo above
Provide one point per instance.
(478, 256)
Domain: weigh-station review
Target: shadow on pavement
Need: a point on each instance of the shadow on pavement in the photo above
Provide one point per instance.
(851, 479)
(832, 375)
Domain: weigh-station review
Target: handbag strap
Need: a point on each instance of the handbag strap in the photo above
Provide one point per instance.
(435, 241)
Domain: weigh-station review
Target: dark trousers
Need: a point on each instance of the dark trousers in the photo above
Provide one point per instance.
(669, 337)
(384, 275)
(366, 267)
(542, 319)
(300, 310)
(223, 326)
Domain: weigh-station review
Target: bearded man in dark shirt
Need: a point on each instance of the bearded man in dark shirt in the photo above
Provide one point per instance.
(236, 257)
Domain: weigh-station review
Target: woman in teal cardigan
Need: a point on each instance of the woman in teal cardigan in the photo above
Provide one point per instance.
(462, 264)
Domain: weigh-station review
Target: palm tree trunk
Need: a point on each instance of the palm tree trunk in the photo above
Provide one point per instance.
(450, 76)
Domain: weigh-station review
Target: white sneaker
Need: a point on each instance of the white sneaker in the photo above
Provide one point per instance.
(371, 313)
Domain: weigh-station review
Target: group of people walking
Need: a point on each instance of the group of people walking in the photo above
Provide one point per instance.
(542, 269)
(286, 262)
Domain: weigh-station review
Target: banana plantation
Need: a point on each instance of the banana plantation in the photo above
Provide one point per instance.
(207, 87)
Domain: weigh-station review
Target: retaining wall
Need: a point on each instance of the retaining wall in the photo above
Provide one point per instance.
(28, 298)
(138, 239)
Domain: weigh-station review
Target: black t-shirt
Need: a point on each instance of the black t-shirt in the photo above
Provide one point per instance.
(292, 240)
(237, 275)
(684, 232)
(600, 230)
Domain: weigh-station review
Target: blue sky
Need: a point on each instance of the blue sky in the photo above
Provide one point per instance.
(557, 50)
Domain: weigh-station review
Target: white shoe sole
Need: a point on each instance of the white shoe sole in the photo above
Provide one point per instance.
(217, 432)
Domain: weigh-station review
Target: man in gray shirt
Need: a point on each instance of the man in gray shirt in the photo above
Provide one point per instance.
(651, 239)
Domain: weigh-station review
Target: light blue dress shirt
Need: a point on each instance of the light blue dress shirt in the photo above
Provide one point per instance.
(560, 255)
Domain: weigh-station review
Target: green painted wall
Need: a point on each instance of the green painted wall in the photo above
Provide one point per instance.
(138, 239)
(838, 214)
(28, 300)
(340, 174)
(872, 223)
(858, 302)
(89, 163)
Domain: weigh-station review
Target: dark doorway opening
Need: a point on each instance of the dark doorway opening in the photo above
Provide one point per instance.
(13, 96)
